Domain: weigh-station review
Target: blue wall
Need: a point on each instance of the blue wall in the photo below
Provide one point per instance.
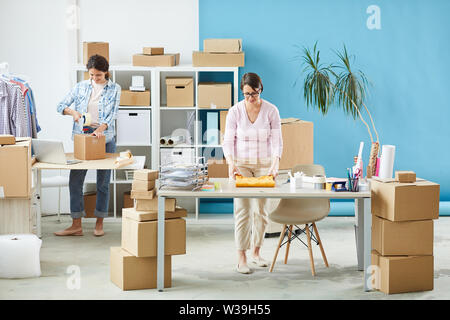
(407, 61)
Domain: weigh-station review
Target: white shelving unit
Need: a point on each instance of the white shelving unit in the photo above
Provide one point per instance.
(154, 79)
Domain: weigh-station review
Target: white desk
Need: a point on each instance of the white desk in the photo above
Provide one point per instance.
(102, 164)
(363, 219)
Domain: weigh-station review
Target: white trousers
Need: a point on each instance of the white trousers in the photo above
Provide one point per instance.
(250, 215)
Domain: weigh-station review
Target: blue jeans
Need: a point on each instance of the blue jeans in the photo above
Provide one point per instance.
(76, 182)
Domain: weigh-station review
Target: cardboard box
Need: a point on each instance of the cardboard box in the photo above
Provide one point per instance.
(92, 48)
(397, 201)
(222, 124)
(152, 215)
(153, 50)
(90, 200)
(150, 194)
(127, 201)
(405, 176)
(214, 95)
(152, 204)
(412, 238)
(401, 274)
(140, 237)
(7, 139)
(142, 185)
(180, 92)
(135, 98)
(222, 45)
(206, 59)
(145, 174)
(132, 273)
(298, 143)
(15, 169)
(87, 147)
(161, 60)
(217, 168)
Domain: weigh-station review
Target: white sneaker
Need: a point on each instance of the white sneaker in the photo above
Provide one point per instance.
(243, 269)
(260, 262)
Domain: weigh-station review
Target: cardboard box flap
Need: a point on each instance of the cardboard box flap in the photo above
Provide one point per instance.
(391, 181)
(292, 121)
(222, 45)
(179, 81)
(215, 84)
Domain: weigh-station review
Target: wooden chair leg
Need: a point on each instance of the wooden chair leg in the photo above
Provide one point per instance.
(278, 248)
(288, 244)
(320, 245)
(311, 258)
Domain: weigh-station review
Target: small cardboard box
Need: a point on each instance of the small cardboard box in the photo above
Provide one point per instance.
(160, 60)
(127, 201)
(15, 169)
(399, 274)
(397, 201)
(132, 273)
(7, 139)
(405, 176)
(150, 194)
(223, 124)
(142, 185)
(87, 147)
(145, 174)
(412, 238)
(298, 143)
(214, 95)
(217, 168)
(222, 45)
(180, 92)
(153, 50)
(140, 237)
(206, 59)
(151, 215)
(91, 48)
(90, 200)
(135, 98)
(152, 204)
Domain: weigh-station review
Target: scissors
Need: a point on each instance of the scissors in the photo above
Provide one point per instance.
(357, 173)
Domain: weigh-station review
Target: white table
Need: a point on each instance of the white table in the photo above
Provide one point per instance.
(363, 219)
(102, 164)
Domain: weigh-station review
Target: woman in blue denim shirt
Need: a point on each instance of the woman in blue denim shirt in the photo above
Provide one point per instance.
(99, 97)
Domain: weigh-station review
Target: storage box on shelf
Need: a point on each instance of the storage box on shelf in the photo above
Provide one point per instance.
(134, 127)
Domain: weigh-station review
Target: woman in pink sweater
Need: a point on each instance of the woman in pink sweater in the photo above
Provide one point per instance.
(252, 146)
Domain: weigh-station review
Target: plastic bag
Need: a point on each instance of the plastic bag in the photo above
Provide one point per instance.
(19, 256)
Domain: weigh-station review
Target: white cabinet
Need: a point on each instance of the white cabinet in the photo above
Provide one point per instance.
(133, 127)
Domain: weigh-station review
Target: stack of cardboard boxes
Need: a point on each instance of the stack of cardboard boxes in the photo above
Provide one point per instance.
(219, 53)
(133, 265)
(155, 57)
(403, 210)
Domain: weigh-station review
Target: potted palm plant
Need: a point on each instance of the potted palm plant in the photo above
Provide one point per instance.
(324, 84)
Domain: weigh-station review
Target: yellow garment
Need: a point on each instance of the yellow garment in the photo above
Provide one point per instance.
(263, 181)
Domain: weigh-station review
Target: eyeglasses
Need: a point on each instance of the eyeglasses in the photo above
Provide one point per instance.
(253, 94)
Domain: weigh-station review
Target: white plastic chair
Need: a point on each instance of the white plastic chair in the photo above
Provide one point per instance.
(56, 182)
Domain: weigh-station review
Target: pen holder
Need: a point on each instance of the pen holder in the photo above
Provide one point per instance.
(354, 185)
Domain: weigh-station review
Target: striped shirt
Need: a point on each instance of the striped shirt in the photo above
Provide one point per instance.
(13, 114)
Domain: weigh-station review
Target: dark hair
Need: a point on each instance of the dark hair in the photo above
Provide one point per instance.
(253, 80)
(100, 63)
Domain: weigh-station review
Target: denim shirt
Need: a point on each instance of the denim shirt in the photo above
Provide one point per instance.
(108, 105)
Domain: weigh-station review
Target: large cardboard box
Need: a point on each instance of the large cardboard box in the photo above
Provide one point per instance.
(140, 237)
(127, 201)
(160, 60)
(397, 201)
(135, 98)
(152, 204)
(298, 143)
(150, 194)
(87, 147)
(91, 48)
(151, 215)
(142, 185)
(222, 124)
(180, 92)
(412, 238)
(399, 274)
(222, 45)
(15, 169)
(153, 50)
(132, 273)
(90, 200)
(217, 168)
(7, 139)
(206, 59)
(145, 174)
(214, 95)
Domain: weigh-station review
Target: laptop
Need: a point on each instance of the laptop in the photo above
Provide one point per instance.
(50, 151)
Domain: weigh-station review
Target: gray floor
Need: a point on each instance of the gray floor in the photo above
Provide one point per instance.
(207, 270)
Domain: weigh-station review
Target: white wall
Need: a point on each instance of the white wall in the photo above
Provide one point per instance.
(35, 40)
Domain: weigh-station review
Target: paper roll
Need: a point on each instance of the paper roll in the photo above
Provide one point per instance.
(387, 161)
(164, 140)
(175, 140)
(87, 119)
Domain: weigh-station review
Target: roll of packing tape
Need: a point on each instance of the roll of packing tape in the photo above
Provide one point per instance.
(126, 154)
(87, 119)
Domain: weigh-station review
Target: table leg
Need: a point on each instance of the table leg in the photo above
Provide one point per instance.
(38, 202)
(367, 243)
(359, 232)
(160, 243)
(115, 193)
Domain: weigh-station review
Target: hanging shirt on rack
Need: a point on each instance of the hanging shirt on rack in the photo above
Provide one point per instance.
(13, 115)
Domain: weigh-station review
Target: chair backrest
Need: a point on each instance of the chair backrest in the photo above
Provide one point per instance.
(309, 169)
